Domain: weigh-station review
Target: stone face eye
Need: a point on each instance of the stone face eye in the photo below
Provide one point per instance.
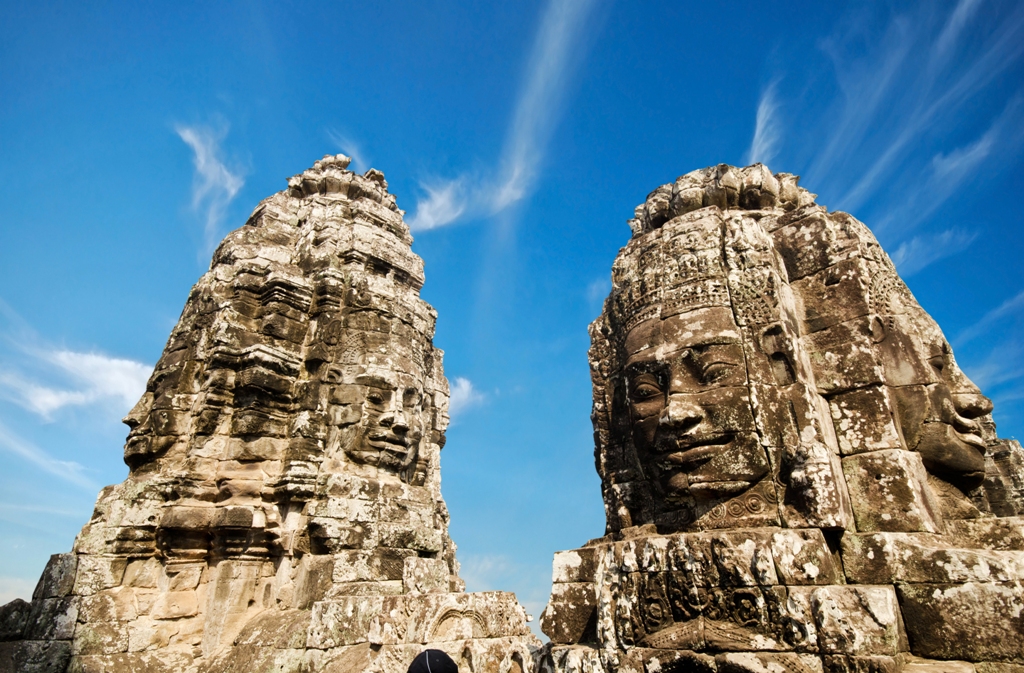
(644, 391)
(375, 398)
(715, 371)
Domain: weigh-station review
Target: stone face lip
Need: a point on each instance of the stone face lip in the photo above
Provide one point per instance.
(796, 474)
(283, 509)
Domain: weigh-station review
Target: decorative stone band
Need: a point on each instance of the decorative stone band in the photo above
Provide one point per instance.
(696, 261)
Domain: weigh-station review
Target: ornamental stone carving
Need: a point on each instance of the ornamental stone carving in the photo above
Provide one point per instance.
(796, 474)
(283, 509)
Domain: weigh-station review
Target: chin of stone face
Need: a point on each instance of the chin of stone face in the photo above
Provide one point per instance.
(283, 508)
(797, 476)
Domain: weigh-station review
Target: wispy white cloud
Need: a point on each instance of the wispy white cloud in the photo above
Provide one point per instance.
(920, 251)
(539, 105)
(767, 129)
(69, 471)
(917, 76)
(360, 161)
(963, 159)
(1009, 307)
(958, 19)
(463, 396)
(214, 185)
(98, 377)
(484, 572)
(556, 50)
(443, 204)
(943, 102)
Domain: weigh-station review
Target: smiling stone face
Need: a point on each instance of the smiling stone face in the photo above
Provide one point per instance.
(392, 422)
(937, 406)
(689, 406)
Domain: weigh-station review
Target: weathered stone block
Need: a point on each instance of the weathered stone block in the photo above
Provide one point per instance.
(836, 294)
(844, 663)
(842, 358)
(101, 638)
(803, 557)
(410, 537)
(425, 575)
(96, 573)
(743, 559)
(919, 558)
(580, 659)
(14, 617)
(109, 605)
(767, 662)
(864, 421)
(431, 618)
(342, 621)
(972, 621)
(858, 619)
(58, 577)
(282, 629)
(889, 491)
(571, 614)
(576, 565)
(175, 605)
(35, 656)
(142, 573)
(166, 661)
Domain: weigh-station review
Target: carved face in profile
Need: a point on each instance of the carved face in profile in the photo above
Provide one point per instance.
(392, 421)
(937, 405)
(154, 425)
(689, 406)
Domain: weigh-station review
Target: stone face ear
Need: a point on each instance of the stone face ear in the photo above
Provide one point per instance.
(877, 329)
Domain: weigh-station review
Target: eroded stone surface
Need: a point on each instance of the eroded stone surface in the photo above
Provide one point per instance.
(796, 474)
(283, 509)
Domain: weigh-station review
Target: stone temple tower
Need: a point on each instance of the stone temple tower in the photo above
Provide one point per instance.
(797, 477)
(283, 509)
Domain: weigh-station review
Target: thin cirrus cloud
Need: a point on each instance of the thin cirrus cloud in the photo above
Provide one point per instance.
(915, 254)
(214, 185)
(767, 128)
(69, 471)
(954, 74)
(95, 378)
(1008, 308)
(354, 150)
(556, 52)
(870, 147)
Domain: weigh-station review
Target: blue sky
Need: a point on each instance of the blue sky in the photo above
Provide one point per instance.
(519, 137)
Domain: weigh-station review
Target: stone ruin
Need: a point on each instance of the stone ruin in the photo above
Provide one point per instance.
(797, 477)
(283, 509)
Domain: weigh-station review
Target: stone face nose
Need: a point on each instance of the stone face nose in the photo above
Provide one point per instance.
(972, 404)
(396, 420)
(137, 416)
(681, 414)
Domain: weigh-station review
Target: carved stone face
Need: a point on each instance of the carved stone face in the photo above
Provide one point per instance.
(392, 423)
(937, 405)
(153, 428)
(689, 406)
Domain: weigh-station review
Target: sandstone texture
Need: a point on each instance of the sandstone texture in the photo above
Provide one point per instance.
(283, 510)
(796, 474)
